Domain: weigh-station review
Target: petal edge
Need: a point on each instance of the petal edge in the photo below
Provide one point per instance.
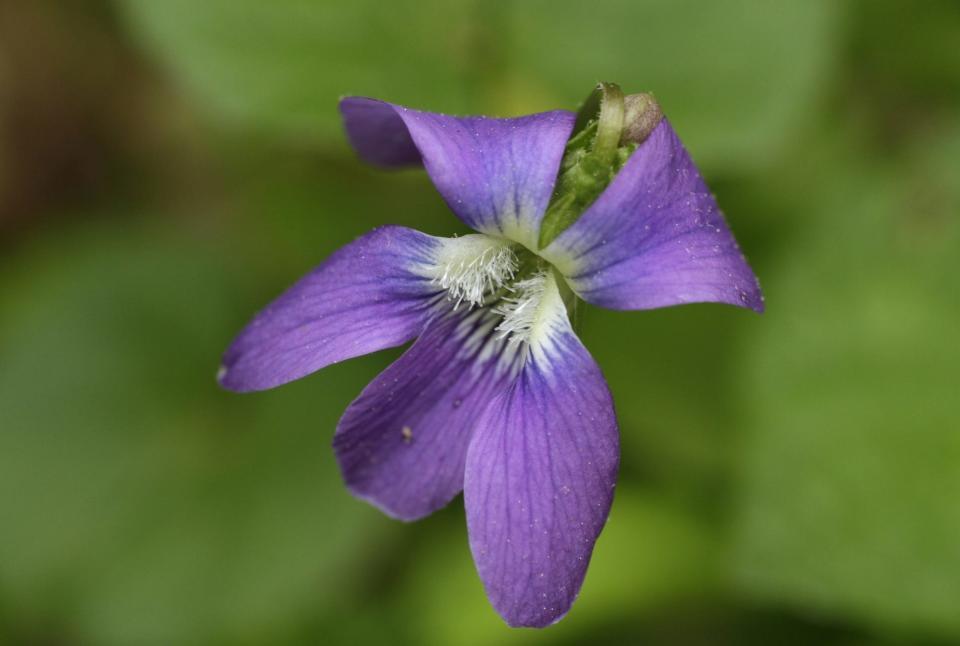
(497, 175)
(655, 238)
(369, 295)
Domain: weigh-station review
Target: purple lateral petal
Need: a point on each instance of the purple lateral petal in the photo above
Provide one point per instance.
(402, 443)
(539, 483)
(367, 296)
(497, 175)
(655, 237)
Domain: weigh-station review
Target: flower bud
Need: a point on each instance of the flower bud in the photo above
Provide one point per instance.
(642, 113)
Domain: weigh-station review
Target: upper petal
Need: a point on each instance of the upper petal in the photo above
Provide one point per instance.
(402, 443)
(539, 481)
(497, 175)
(369, 295)
(655, 237)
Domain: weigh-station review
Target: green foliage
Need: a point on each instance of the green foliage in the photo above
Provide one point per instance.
(734, 77)
(139, 500)
(279, 66)
(670, 559)
(852, 454)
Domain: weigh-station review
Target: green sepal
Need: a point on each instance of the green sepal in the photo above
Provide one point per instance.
(595, 153)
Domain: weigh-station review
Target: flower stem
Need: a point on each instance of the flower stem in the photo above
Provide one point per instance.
(609, 124)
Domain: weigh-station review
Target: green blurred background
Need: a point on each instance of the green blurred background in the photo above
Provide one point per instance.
(169, 166)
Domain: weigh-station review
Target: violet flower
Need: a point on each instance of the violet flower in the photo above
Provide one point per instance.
(497, 396)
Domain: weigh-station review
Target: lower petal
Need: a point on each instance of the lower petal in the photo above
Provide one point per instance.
(402, 443)
(539, 483)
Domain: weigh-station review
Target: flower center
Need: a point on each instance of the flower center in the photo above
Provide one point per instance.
(522, 311)
(472, 267)
(516, 288)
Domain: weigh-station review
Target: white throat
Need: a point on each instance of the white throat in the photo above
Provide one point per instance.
(472, 267)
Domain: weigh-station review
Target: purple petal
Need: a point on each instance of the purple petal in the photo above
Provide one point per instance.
(367, 296)
(497, 175)
(539, 483)
(655, 237)
(402, 443)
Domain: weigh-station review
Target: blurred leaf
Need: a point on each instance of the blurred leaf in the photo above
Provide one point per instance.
(292, 209)
(853, 458)
(282, 65)
(735, 78)
(908, 52)
(648, 555)
(669, 371)
(139, 503)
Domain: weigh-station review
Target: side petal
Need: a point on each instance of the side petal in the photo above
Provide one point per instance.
(539, 482)
(369, 295)
(402, 443)
(497, 175)
(655, 238)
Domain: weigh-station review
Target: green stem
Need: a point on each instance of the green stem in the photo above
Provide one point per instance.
(592, 157)
(609, 124)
